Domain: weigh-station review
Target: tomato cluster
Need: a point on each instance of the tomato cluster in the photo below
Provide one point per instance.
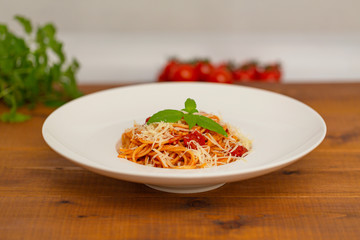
(228, 72)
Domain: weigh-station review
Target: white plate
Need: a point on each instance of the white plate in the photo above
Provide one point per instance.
(87, 129)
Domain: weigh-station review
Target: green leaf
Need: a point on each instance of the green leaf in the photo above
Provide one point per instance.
(6, 66)
(190, 119)
(69, 82)
(190, 106)
(3, 29)
(75, 65)
(167, 115)
(54, 103)
(210, 124)
(25, 23)
(49, 31)
(14, 117)
(57, 49)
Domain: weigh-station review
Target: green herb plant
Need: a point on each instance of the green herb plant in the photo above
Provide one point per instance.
(190, 117)
(33, 70)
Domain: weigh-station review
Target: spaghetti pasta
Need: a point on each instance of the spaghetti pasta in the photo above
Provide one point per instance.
(174, 145)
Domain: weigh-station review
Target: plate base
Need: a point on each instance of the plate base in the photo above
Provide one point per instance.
(185, 189)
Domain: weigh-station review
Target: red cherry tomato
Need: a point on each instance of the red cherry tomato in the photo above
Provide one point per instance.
(247, 72)
(271, 73)
(239, 151)
(165, 73)
(203, 69)
(183, 72)
(194, 136)
(220, 75)
(229, 65)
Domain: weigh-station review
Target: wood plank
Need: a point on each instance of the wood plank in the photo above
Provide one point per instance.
(173, 217)
(311, 176)
(319, 159)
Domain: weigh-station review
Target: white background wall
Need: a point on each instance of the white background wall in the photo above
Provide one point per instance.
(123, 40)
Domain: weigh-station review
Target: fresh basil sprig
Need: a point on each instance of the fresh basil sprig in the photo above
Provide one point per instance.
(170, 115)
(33, 69)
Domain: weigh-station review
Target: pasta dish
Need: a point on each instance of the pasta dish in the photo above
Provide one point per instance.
(176, 145)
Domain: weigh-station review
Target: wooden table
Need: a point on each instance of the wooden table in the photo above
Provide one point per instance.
(44, 196)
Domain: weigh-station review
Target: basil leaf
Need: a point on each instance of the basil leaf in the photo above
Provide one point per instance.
(170, 115)
(167, 115)
(57, 49)
(190, 119)
(49, 31)
(25, 23)
(210, 124)
(54, 103)
(14, 117)
(190, 106)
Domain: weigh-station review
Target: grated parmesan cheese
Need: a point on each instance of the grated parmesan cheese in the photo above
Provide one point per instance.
(155, 132)
(161, 132)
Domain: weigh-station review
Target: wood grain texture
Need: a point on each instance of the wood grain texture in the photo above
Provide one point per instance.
(44, 196)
